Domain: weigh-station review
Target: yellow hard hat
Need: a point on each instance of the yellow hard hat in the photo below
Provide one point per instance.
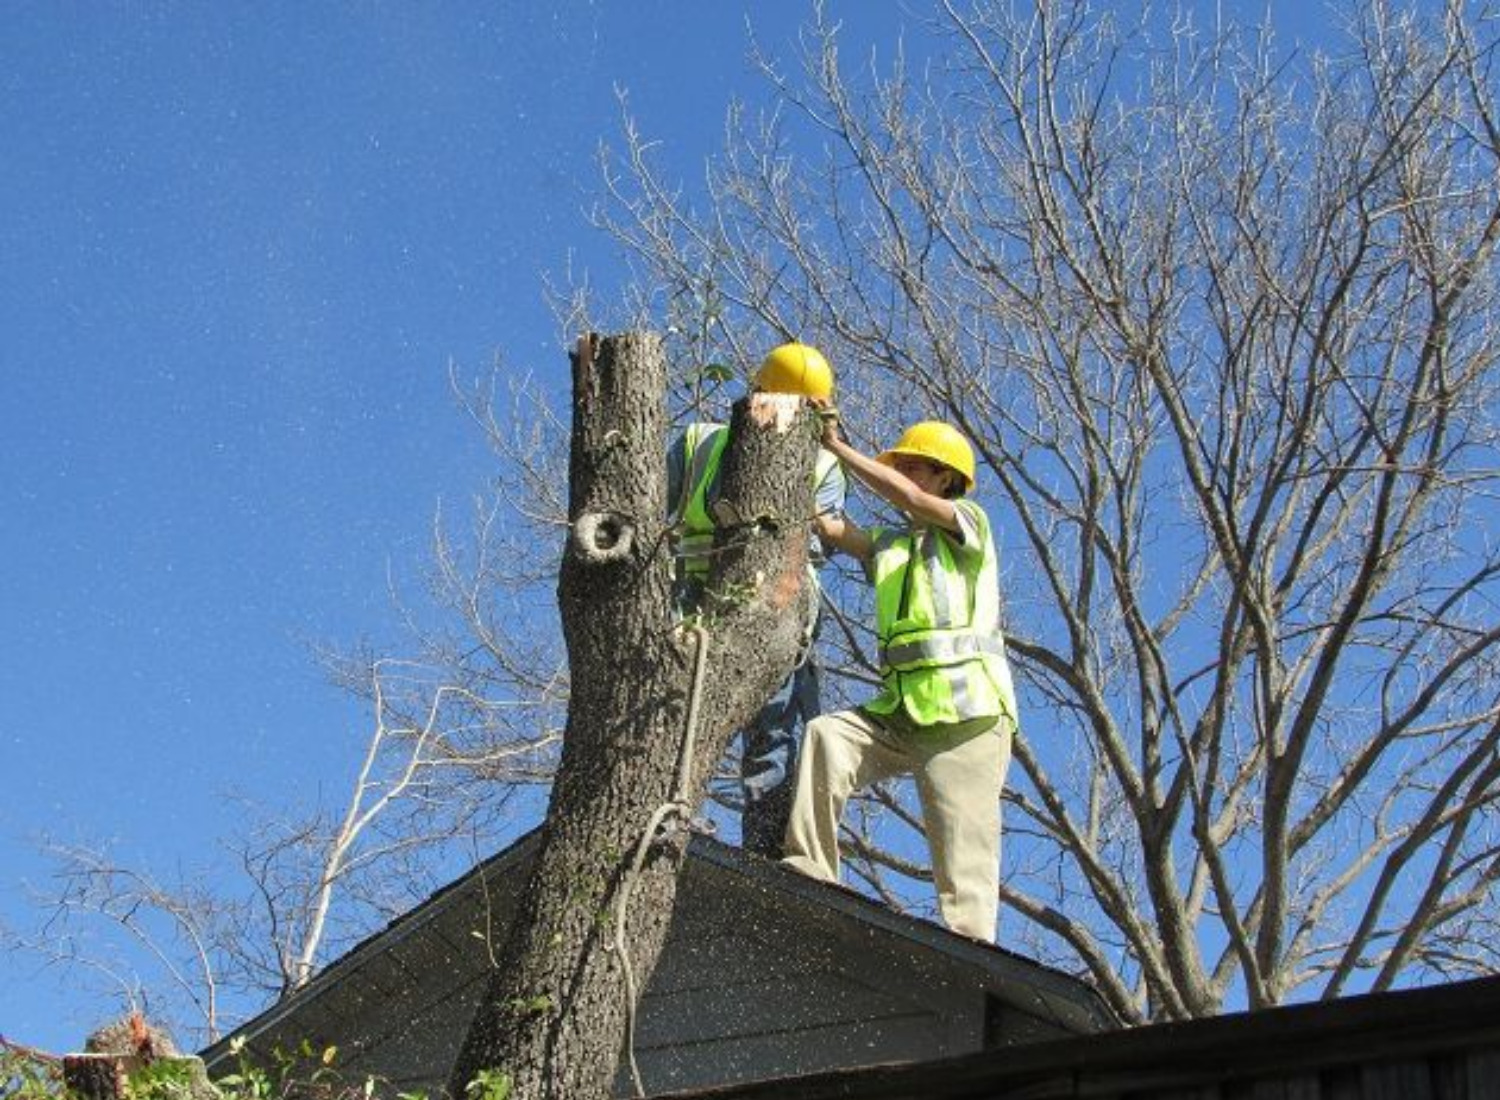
(938, 441)
(795, 368)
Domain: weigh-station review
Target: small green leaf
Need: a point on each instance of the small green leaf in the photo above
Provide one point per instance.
(489, 1084)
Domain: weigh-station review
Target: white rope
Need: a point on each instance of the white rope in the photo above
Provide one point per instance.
(678, 806)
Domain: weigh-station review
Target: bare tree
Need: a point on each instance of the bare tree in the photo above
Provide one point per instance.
(1220, 319)
(174, 925)
(198, 953)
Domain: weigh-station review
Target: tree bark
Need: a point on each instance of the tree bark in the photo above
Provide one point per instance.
(555, 1015)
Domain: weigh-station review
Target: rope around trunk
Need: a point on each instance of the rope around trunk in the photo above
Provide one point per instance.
(678, 806)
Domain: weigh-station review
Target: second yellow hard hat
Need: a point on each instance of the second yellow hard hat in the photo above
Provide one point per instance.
(938, 441)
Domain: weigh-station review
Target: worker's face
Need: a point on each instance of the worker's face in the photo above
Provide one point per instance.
(931, 477)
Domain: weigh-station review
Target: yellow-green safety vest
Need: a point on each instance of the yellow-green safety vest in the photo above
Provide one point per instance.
(703, 449)
(937, 616)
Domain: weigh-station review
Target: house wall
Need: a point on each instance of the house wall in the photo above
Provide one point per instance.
(760, 977)
(751, 987)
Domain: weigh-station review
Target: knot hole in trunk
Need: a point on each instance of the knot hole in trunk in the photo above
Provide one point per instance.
(603, 537)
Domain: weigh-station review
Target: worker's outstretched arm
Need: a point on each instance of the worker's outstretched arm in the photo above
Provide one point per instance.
(845, 535)
(890, 484)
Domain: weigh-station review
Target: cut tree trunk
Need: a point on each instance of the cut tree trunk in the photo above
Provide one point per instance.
(554, 1018)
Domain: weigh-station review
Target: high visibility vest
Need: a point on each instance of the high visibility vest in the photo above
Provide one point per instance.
(703, 449)
(937, 617)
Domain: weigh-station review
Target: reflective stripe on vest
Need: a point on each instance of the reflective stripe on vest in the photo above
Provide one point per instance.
(939, 649)
(942, 654)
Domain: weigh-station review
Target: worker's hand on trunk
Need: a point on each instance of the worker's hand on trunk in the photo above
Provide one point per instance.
(829, 414)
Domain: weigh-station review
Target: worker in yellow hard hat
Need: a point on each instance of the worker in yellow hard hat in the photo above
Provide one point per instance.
(795, 368)
(946, 711)
(768, 746)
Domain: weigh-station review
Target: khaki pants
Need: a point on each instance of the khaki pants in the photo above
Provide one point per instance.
(959, 773)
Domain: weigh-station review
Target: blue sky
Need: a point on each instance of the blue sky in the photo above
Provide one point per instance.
(242, 246)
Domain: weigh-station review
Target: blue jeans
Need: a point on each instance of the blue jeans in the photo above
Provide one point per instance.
(768, 745)
(768, 758)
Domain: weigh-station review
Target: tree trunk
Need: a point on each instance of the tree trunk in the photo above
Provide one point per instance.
(554, 1018)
